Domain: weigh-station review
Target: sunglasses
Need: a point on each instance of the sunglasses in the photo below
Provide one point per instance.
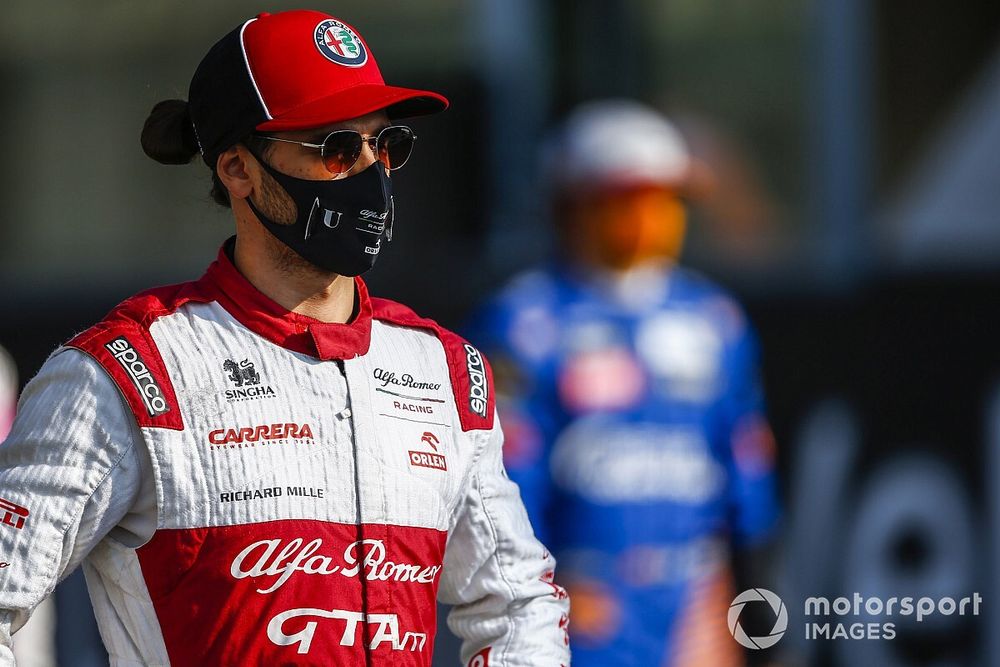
(341, 149)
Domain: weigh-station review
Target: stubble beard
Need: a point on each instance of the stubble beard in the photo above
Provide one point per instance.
(278, 205)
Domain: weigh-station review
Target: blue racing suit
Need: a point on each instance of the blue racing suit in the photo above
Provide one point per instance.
(635, 429)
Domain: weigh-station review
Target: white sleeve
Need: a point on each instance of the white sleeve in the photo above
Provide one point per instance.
(507, 609)
(72, 470)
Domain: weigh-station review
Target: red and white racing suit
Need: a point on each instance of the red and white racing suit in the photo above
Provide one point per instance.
(244, 485)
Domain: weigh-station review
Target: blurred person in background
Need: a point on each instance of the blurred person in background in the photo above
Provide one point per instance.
(634, 417)
(234, 460)
(8, 392)
(35, 645)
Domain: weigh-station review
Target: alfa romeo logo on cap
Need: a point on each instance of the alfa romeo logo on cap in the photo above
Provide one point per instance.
(340, 44)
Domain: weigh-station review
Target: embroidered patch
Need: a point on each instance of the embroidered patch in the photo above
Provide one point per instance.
(339, 43)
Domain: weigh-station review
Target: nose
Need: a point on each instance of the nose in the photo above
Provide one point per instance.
(366, 159)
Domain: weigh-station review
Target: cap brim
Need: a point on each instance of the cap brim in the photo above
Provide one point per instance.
(358, 101)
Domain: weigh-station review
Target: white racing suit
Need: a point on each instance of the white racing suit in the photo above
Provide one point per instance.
(244, 485)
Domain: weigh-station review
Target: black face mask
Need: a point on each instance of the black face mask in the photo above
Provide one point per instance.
(340, 224)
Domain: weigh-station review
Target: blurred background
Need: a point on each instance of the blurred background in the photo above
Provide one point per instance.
(855, 146)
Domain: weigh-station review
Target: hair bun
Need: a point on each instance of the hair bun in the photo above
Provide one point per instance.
(168, 134)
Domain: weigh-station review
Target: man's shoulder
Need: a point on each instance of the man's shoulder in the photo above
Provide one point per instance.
(470, 373)
(138, 312)
(690, 290)
(400, 315)
(122, 345)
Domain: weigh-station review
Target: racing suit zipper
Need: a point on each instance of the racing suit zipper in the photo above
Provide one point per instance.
(358, 521)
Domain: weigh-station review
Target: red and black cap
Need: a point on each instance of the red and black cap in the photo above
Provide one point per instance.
(292, 70)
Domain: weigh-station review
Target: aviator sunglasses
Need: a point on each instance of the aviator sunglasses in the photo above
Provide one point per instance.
(341, 149)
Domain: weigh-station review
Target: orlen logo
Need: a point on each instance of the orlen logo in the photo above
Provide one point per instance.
(427, 459)
(149, 390)
(250, 435)
(479, 393)
(13, 515)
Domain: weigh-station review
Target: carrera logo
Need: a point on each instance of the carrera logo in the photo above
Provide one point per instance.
(149, 390)
(479, 392)
(249, 436)
(13, 514)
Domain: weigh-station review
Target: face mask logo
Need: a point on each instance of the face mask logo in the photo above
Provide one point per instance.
(327, 216)
(340, 223)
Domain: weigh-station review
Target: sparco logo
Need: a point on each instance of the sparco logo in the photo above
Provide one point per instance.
(479, 392)
(149, 390)
(404, 380)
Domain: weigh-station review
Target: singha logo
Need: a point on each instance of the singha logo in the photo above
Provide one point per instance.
(242, 374)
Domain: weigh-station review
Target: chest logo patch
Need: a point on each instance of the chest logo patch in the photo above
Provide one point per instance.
(262, 434)
(432, 460)
(246, 382)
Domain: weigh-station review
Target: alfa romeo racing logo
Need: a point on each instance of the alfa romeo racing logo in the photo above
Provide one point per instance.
(339, 43)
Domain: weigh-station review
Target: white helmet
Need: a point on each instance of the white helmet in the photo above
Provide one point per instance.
(617, 142)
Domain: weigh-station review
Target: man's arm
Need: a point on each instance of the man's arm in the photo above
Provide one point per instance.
(70, 471)
(499, 577)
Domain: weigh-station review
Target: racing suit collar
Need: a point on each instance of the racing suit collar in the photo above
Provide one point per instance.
(290, 330)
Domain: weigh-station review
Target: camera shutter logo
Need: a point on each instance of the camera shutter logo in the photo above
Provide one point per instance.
(780, 623)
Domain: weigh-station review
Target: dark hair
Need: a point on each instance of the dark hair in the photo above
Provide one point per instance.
(168, 137)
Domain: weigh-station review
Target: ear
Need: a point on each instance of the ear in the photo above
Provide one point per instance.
(232, 167)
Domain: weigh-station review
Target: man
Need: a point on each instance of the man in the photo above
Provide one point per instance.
(266, 465)
(634, 418)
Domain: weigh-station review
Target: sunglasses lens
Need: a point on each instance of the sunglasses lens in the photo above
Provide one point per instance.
(341, 150)
(395, 143)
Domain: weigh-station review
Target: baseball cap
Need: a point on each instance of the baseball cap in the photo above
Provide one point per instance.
(291, 70)
(617, 143)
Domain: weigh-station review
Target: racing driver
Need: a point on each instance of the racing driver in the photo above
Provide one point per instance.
(635, 419)
(267, 465)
